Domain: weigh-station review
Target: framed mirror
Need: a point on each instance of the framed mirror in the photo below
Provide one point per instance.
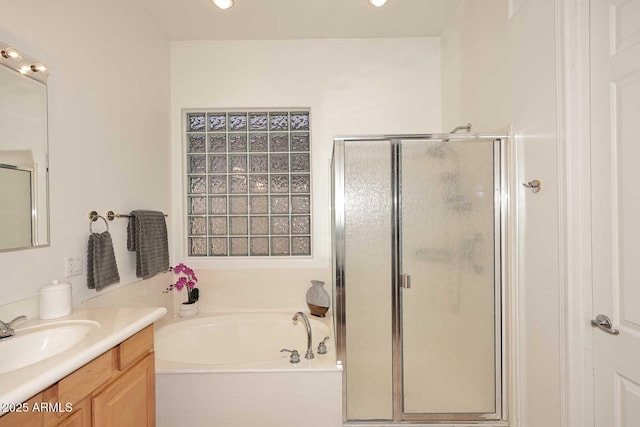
(24, 162)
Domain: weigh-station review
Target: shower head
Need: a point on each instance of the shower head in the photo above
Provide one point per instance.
(466, 127)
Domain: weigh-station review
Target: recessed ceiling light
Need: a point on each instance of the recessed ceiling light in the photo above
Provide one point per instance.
(223, 4)
(378, 3)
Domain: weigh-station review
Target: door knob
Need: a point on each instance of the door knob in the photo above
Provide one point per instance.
(603, 322)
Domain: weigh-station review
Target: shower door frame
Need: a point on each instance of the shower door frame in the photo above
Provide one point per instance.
(500, 416)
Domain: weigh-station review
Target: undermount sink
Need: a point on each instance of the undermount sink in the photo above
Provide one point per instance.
(37, 343)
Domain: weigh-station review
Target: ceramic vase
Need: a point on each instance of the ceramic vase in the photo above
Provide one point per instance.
(318, 299)
(188, 310)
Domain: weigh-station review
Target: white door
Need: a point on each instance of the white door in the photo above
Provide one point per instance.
(615, 187)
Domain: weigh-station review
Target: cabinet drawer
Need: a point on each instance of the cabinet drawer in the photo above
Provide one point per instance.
(134, 348)
(79, 384)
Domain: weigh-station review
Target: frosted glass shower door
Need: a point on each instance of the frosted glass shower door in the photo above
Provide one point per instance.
(450, 314)
(368, 259)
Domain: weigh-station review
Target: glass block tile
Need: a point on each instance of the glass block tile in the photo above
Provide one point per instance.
(238, 142)
(279, 121)
(237, 122)
(258, 163)
(259, 204)
(217, 143)
(279, 204)
(258, 121)
(238, 183)
(259, 224)
(238, 163)
(218, 246)
(279, 183)
(218, 184)
(301, 245)
(279, 225)
(300, 183)
(300, 204)
(259, 142)
(197, 143)
(279, 246)
(239, 246)
(197, 205)
(258, 183)
(259, 246)
(217, 163)
(218, 205)
(218, 225)
(197, 225)
(300, 121)
(217, 122)
(279, 163)
(279, 142)
(198, 246)
(197, 164)
(300, 225)
(196, 122)
(300, 142)
(197, 185)
(238, 225)
(239, 205)
(300, 162)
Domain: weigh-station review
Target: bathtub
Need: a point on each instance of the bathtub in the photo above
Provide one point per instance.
(228, 370)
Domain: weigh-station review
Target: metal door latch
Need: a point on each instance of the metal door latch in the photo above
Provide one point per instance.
(604, 323)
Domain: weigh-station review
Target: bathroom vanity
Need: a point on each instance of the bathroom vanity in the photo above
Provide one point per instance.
(115, 387)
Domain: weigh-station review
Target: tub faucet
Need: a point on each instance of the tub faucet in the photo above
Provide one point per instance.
(6, 329)
(309, 354)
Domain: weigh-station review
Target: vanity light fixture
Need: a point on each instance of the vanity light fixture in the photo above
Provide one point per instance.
(223, 4)
(378, 3)
(9, 53)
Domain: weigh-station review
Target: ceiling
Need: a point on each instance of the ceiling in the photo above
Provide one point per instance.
(299, 19)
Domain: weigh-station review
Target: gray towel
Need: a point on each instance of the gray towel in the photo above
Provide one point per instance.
(147, 236)
(101, 261)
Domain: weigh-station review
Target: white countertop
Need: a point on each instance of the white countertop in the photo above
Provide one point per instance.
(116, 325)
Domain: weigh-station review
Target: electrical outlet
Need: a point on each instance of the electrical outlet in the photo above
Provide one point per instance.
(72, 266)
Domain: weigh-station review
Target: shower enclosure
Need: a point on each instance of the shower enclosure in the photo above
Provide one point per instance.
(418, 222)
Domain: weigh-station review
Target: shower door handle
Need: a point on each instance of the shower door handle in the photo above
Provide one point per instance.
(405, 281)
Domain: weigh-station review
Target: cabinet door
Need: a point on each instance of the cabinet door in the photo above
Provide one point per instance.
(80, 417)
(129, 400)
(24, 416)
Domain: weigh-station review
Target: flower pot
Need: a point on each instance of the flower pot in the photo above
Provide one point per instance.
(318, 299)
(188, 309)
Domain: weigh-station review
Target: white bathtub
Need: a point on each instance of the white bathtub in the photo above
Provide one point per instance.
(234, 374)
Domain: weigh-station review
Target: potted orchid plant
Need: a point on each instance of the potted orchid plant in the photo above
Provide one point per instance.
(187, 279)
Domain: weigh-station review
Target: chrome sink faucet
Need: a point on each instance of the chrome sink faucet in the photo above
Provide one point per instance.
(309, 354)
(6, 329)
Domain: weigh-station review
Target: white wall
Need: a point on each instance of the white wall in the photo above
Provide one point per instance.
(532, 51)
(499, 69)
(373, 86)
(108, 128)
(475, 67)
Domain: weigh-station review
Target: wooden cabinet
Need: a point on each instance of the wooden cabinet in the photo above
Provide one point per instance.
(117, 388)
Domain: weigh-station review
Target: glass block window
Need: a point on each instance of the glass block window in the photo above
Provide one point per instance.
(248, 178)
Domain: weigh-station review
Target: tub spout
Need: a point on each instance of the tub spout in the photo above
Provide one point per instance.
(309, 354)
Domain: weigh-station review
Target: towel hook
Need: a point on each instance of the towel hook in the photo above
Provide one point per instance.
(93, 217)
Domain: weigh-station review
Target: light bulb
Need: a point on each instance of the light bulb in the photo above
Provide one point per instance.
(10, 53)
(38, 67)
(24, 69)
(378, 3)
(223, 4)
